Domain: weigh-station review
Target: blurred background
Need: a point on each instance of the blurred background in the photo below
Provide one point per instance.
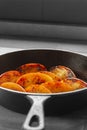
(65, 19)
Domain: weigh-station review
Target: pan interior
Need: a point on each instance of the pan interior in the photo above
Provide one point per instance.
(49, 58)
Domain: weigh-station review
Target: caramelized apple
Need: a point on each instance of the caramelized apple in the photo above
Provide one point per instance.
(35, 88)
(62, 72)
(52, 75)
(76, 83)
(64, 85)
(13, 86)
(9, 76)
(31, 67)
(33, 78)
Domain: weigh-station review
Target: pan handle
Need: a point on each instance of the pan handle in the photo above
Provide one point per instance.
(36, 113)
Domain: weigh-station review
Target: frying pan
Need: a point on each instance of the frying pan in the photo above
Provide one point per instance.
(40, 104)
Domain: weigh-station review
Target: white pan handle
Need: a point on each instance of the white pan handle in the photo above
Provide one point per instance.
(37, 112)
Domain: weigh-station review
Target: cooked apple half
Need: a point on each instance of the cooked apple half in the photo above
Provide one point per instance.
(31, 67)
(62, 72)
(9, 76)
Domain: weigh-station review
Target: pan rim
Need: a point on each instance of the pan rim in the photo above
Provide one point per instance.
(44, 49)
(42, 94)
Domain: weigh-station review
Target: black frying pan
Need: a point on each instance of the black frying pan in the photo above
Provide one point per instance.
(54, 103)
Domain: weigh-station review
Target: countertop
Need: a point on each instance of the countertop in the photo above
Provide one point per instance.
(13, 44)
(10, 120)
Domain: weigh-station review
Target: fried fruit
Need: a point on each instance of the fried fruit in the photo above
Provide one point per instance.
(33, 78)
(76, 83)
(13, 86)
(57, 86)
(37, 89)
(52, 75)
(64, 85)
(62, 72)
(9, 76)
(31, 67)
